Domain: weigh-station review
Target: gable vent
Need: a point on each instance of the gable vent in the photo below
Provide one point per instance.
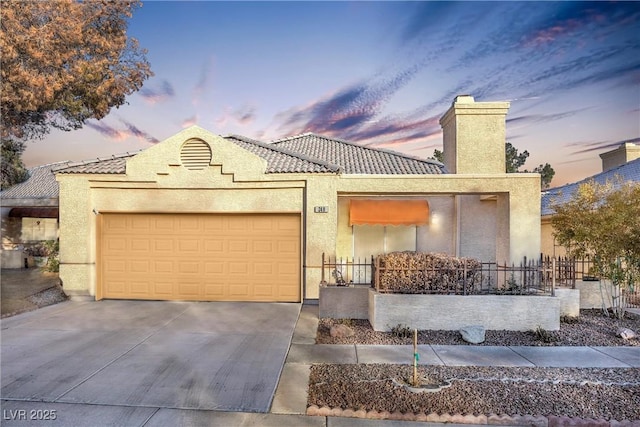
(195, 154)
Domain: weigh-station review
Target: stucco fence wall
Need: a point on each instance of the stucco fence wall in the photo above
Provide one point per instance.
(447, 312)
(452, 312)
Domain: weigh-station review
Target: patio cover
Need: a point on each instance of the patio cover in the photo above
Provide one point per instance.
(388, 212)
(34, 212)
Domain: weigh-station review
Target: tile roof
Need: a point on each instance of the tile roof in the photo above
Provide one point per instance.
(41, 184)
(115, 164)
(280, 160)
(630, 171)
(357, 159)
(307, 153)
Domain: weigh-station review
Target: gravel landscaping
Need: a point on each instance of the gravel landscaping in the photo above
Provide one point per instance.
(592, 328)
(372, 390)
(609, 394)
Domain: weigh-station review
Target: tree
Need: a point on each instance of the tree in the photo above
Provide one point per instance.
(514, 161)
(546, 175)
(12, 169)
(64, 62)
(603, 221)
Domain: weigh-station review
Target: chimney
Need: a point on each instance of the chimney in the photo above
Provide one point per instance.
(474, 136)
(621, 155)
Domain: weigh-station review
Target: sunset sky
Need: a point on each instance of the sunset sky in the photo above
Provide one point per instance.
(380, 74)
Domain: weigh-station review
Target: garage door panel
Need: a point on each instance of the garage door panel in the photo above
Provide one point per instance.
(189, 245)
(140, 223)
(216, 257)
(116, 244)
(163, 246)
(163, 289)
(214, 247)
(140, 287)
(287, 247)
(140, 267)
(163, 267)
(240, 290)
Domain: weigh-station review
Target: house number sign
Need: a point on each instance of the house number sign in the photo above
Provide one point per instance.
(321, 209)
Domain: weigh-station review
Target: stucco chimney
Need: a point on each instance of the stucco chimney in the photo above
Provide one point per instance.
(474, 136)
(621, 155)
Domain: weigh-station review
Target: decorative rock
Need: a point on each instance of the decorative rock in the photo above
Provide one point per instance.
(627, 334)
(313, 410)
(396, 415)
(422, 417)
(473, 334)
(349, 413)
(341, 331)
(373, 415)
(383, 415)
(325, 411)
(360, 413)
(336, 412)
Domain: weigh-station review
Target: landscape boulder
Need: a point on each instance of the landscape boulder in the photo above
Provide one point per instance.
(627, 334)
(341, 331)
(473, 334)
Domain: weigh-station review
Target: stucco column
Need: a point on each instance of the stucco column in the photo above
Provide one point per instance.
(503, 214)
(524, 220)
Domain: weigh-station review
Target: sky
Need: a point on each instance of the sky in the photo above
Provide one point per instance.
(380, 74)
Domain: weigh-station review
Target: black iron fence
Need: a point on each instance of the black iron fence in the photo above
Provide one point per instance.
(530, 277)
(347, 271)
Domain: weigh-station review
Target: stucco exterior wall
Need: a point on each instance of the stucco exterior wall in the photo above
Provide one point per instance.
(235, 181)
(440, 234)
(478, 227)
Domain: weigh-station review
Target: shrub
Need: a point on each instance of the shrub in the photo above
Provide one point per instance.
(402, 331)
(543, 335)
(53, 252)
(420, 272)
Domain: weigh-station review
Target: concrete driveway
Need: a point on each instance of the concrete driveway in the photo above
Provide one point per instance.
(148, 354)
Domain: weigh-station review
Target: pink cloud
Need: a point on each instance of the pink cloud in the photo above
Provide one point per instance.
(190, 121)
(118, 135)
(155, 95)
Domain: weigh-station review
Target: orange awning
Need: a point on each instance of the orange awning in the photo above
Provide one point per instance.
(388, 212)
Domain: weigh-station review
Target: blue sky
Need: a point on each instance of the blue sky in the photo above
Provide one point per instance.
(379, 74)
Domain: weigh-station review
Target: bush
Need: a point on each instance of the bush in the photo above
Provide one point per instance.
(53, 252)
(420, 272)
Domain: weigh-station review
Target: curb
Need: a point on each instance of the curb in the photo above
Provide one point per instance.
(493, 419)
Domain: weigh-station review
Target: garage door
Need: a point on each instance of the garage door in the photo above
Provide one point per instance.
(213, 257)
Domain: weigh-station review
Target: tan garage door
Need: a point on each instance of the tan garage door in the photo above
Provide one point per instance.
(197, 257)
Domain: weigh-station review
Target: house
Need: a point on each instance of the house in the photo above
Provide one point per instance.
(619, 165)
(204, 217)
(29, 214)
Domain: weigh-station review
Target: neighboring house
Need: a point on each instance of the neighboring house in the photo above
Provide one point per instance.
(619, 165)
(204, 217)
(29, 212)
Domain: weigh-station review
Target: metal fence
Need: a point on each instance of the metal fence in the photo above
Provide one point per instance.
(347, 271)
(529, 277)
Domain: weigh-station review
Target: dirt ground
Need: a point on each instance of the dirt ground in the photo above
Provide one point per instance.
(20, 287)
